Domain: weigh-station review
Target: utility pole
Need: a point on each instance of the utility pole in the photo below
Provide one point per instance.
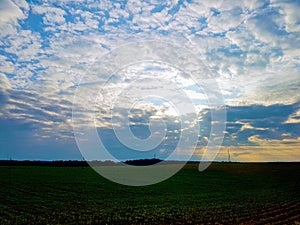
(228, 154)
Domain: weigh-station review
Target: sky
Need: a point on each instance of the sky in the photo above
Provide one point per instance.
(70, 68)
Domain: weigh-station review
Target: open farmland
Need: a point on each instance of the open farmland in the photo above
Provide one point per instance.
(226, 193)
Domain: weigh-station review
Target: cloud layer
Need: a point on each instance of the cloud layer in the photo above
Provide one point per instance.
(49, 49)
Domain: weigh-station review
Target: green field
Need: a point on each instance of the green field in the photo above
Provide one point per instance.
(226, 193)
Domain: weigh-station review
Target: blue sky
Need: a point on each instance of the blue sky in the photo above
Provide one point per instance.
(50, 48)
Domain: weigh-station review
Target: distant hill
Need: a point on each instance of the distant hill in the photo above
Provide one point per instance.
(59, 163)
(143, 162)
(75, 163)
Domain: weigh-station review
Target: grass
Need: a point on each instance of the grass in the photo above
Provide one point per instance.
(226, 193)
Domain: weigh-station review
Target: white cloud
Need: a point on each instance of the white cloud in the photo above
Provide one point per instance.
(270, 142)
(290, 11)
(5, 65)
(10, 12)
(4, 84)
(254, 4)
(248, 126)
(294, 118)
(225, 21)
